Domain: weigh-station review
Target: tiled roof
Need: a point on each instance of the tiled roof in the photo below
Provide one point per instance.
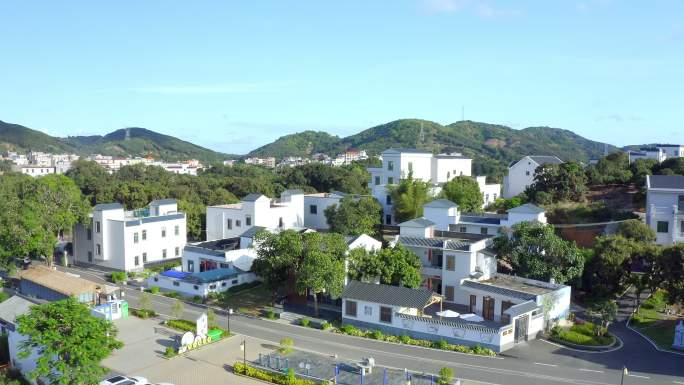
(545, 159)
(441, 203)
(58, 281)
(452, 322)
(527, 208)
(108, 206)
(522, 308)
(480, 219)
(498, 290)
(665, 181)
(252, 232)
(418, 222)
(408, 151)
(388, 295)
(252, 197)
(448, 244)
(163, 202)
(13, 307)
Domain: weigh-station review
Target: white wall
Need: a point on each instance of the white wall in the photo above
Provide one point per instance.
(201, 289)
(442, 217)
(520, 176)
(25, 365)
(318, 220)
(490, 192)
(446, 168)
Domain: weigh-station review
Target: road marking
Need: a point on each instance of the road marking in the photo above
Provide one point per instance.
(678, 382)
(591, 370)
(638, 376)
(540, 363)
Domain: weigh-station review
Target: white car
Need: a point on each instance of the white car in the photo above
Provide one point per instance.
(123, 380)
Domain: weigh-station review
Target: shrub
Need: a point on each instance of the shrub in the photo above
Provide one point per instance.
(182, 325)
(118, 276)
(286, 345)
(272, 377)
(169, 352)
(197, 299)
(154, 289)
(446, 376)
(405, 339)
(442, 344)
(377, 335)
(171, 294)
(271, 315)
(304, 322)
(143, 313)
(325, 325)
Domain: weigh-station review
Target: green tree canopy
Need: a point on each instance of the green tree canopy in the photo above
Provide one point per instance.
(408, 198)
(672, 272)
(557, 183)
(610, 169)
(534, 251)
(396, 266)
(70, 341)
(636, 230)
(465, 192)
(355, 216)
(608, 271)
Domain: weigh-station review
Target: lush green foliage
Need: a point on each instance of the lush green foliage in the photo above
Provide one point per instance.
(582, 334)
(446, 376)
(71, 340)
(672, 271)
(534, 251)
(143, 313)
(396, 266)
(118, 276)
(12, 377)
(636, 230)
(574, 213)
(182, 325)
(465, 192)
(608, 271)
(272, 377)
(404, 339)
(408, 198)
(610, 169)
(286, 345)
(502, 205)
(558, 183)
(355, 216)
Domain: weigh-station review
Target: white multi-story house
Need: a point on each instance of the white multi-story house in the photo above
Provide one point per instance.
(660, 152)
(665, 207)
(33, 170)
(421, 165)
(521, 173)
(269, 162)
(490, 192)
(672, 150)
(314, 208)
(129, 240)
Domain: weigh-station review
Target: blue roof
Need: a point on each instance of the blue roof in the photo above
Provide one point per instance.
(175, 274)
(214, 275)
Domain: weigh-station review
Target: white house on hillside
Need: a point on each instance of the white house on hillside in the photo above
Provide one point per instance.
(397, 164)
(660, 152)
(128, 240)
(665, 207)
(521, 173)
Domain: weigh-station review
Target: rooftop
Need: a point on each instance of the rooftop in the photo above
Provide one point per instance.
(441, 203)
(163, 202)
(527, 208)
(58, 281)
(388, 295)
(480, 219)
(436, 243)
(675, 182)
(220, 244)
(13, 307)
(108, 206)
(546, 159)
(418, 222)
(407, 151)
(512, 286)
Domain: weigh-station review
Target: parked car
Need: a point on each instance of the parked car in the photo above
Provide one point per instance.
(124, 380)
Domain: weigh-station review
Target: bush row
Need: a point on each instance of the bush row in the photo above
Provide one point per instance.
(404, 339)
(582, 334)
(143, 313)
(276, 378)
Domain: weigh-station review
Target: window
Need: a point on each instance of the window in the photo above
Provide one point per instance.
(486, 198)
(176, 230)
(313, 209)
(136, 261)
(238, 223)
(377, 180)
(350, 308)
(386, 314)
(505, 305)
(388, 219)
(390, 180)
(368, 310)
(280, 222)
(488, 308)
(449, 293)
(98, 249)
(144, 235)
(663, 227)
(229, 224)
(448, 175)
(681, 227)
(97, 227)
(177, 251)
(527, 173)
(196, 287)
(473, 304)
(463, 229)
(144, 257)
(89, 234)
(191, 266)
(388, 199)
(451, 263)
(213, 286)
(234, 282)
(390, 165)
(248, 220)
(224, 284)
(410, 166)
(135, 237)
(163, 232)
(483, 230)
(681, 203)
(176, 283)
(164, 254)
(90, 256)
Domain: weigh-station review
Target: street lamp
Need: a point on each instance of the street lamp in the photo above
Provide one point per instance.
(243, 347)
(624, 372)
(230, 312)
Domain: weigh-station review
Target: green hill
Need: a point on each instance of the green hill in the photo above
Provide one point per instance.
(133, 141)
(300, 144)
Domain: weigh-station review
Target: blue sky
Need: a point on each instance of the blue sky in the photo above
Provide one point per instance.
(235, 75)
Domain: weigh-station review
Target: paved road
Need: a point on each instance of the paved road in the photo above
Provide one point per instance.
(534, 362)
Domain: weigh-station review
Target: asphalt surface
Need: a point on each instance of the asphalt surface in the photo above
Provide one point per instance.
(533, 362)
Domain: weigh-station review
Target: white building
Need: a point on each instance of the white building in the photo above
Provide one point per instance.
(672, 150)
(521, 173)
(490, 192)
(122, 240)
(201, 284)
(656, 154)
(33, 170)
(397, 164)
(314, 208)
(665, 207)
(269, 162)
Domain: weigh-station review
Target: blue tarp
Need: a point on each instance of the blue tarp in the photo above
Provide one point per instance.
(175, 274)
(215, 275)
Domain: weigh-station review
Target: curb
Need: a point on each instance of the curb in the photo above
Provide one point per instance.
(658, 348)
(616, 345)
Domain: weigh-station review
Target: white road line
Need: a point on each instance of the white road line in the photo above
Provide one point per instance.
(638, 376)
(678, 382)
(540, 363)
(591, 370)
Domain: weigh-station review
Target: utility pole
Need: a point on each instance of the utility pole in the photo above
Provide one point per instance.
(462, 113)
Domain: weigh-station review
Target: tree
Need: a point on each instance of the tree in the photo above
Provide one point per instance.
(610, 169)
(446, 376)
(465, 192)
(177, 309)
(322, 266)
(558, 182)
(396, 266)
(355, 216)
(408, 198)
(211, 317)
(672, 272)
(607, 311)
(71, 342)
(640, 283)
(636, 230)
(277, 258)
(640, 168)
(145, 301)
(608, 271)
(534, 251)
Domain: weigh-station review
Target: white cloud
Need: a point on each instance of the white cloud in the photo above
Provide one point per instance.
(438, 6)
(225, 88)
(481, 8)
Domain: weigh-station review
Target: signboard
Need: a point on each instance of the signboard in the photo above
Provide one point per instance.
(202, 325)
(187, 339)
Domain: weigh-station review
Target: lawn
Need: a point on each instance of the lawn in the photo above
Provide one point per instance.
(249, 301)
(652, 322)
(581, 334)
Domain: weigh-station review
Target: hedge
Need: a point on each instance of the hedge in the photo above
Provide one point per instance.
(407, 340)
(143, 313)
(272, 377)
(581, 334)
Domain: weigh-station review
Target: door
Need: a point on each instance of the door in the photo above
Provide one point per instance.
(473, 303)
(488, 308)
(521, 328)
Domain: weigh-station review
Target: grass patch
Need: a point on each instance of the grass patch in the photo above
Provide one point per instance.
(404, 339)
(582, 334)
(248, 301)
(189, 326)
(652, 322)
(574, 212)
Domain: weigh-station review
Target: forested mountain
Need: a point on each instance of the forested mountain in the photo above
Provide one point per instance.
(133, 141)
(491, 146)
